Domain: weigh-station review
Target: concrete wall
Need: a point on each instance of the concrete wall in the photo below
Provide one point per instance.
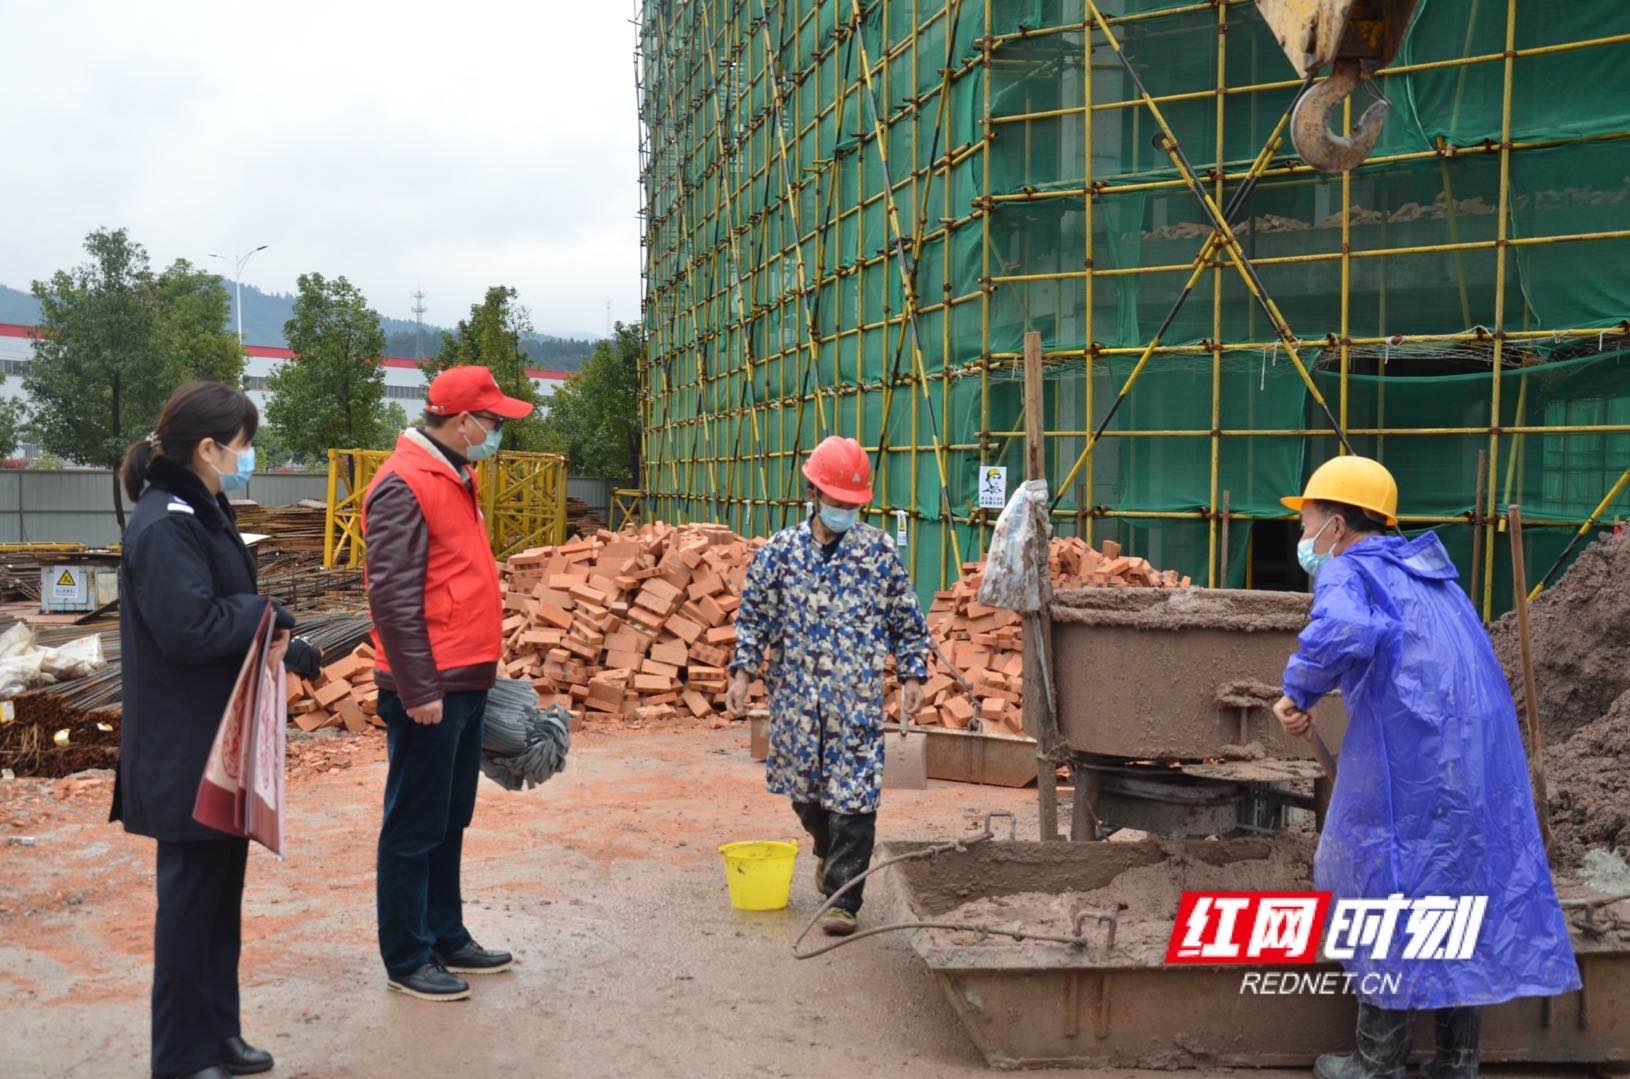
(77, 506)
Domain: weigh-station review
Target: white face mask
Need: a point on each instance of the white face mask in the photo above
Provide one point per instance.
(1309, 559)
(488, 446)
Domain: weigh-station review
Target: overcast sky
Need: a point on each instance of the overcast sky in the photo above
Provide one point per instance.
(448, 146)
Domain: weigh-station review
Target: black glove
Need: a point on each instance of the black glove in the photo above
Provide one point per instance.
(303, 659)
(281, 618)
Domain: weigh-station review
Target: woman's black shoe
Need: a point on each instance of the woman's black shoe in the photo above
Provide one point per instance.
(238, 1057)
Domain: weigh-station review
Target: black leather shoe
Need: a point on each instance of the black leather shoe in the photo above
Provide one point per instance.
(431, 982)
(238, 1057)
(474, 959)
(214, 1071)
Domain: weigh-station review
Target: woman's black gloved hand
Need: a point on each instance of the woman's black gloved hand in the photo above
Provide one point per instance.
(281, 618)
(303, 658)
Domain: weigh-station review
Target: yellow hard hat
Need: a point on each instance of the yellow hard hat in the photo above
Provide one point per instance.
(1357, 481)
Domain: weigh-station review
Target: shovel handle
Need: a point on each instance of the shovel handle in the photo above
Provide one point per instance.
(1321, 751)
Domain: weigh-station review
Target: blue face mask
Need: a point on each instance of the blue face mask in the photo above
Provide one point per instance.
(1312, 561)
(839, 520)
(488, 446)
(239, 477)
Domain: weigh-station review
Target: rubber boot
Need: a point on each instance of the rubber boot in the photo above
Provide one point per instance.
(1383, 1048)
(1458, 1032)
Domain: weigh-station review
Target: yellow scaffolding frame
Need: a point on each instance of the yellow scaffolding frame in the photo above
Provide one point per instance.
(626, 507)
(809, 166)
(522, 497)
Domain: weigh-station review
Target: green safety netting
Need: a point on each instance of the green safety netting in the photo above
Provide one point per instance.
(765, 221)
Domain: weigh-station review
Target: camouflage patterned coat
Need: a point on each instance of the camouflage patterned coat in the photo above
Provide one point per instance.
(826, 628)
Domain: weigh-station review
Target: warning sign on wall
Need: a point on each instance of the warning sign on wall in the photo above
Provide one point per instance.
(69, 585)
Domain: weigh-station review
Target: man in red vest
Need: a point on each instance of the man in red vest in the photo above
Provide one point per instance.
(434, 595)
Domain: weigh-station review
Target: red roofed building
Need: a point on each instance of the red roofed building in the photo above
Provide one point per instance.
(404, 383)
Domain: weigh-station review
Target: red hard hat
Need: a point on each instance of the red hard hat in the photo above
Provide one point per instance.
(840, 468)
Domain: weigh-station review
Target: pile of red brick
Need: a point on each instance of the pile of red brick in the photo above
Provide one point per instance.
(638, 626)
(984, 643)
(344, 694)
(631, 625)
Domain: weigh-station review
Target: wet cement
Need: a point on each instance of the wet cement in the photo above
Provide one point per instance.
(1141, 883)
(1234, 610)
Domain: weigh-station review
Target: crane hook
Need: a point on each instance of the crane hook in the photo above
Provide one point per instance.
(1310, 122)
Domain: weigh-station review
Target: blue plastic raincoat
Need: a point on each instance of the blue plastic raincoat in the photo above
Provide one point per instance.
(1432, 795)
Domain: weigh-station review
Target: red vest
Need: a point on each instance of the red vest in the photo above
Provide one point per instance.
(463, 607)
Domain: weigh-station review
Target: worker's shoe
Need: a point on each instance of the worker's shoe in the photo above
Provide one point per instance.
(240, 1058)
(1350, 1066)
(820, 877)
(1383, 1048)
(431, 982)
(838, 922)
(474, 959)
(1458, 1031)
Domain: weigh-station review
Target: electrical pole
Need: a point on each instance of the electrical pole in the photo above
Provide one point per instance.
(418, 324)
(237, 277)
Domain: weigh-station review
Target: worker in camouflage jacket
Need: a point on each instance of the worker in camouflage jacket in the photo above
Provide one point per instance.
(826, 602)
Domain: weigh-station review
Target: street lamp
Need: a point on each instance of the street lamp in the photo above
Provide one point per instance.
(237, 277)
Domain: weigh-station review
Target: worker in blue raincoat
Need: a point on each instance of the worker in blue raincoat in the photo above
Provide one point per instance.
(826, 602)
(1432, 794)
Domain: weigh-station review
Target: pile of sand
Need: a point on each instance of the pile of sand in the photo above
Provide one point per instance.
(1580, 633)
(1589, 784)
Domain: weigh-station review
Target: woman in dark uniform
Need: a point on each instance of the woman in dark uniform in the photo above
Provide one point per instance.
(187, 615)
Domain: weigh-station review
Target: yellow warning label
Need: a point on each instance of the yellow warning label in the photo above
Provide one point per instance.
(67, 580)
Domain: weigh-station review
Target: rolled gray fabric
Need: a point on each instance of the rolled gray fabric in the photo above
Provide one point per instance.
(522, 744)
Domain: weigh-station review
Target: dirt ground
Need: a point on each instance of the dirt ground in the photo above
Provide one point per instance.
(605, 882)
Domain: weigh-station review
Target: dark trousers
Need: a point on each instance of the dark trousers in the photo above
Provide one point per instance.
(845, 841)
(196, 939)
(429, 801)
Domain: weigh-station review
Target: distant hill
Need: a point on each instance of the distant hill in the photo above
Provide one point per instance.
(264, 314)
(18, 307)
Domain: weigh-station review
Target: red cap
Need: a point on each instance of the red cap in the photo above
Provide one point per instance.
(472, 389)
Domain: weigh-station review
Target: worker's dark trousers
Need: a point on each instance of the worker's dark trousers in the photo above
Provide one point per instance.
(429, 801)
(845, 841)
(196, 938)
(1384, 1040)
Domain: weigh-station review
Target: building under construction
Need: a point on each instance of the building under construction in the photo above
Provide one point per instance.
(854, 211)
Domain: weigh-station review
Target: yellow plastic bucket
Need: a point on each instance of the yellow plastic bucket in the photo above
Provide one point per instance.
(759, 873)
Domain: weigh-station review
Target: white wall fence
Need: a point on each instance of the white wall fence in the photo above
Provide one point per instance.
(76, 506)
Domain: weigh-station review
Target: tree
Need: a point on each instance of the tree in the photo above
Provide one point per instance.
(396, 421)
(114, 341)
(332, 396)
(13, 418)
(491, 337)
(594, 417)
